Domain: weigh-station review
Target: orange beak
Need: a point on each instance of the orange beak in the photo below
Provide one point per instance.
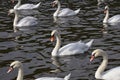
(9, 70)
(52, 38)
(92, 58)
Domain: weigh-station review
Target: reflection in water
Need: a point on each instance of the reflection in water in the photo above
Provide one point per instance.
(66, 20)
(56, 62)
(105, 28)
(28, 44)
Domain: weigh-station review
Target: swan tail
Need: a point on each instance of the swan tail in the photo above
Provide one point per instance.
(38, 5)
(77, 11)
(89, 43)
(67, 77)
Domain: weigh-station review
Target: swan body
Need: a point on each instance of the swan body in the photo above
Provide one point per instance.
(27, 21)
(114, 19)
(64, 12)
(18, 64)
(112, 74)
(69, 49)
(18, 6)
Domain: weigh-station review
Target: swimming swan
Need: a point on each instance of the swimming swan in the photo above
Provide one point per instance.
(19, 65)
(27, 21)
(114, 19)
(63, 12)
(112, 74)
(18, 6)
(69, 49)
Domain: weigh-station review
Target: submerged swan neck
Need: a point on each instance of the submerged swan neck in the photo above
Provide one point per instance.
(18, 4)
(102, 67)
(57, 46)
(106, 17)
(58, 9)
(16, 18)
(20, 73)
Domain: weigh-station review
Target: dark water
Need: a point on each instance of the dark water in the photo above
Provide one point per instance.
(33, 47)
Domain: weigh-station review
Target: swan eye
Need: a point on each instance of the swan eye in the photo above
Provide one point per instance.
(12, 66)
(93, 54)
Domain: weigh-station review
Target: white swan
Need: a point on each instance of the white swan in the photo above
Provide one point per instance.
(18, 6)
(112, 74)
(64, 12)
(69, 49)
(27, 21)
(18, 64)
(114, 19)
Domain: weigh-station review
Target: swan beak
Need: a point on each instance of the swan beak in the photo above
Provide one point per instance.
(52, 38)
(10, 69)
(92, 58)
(12, 1)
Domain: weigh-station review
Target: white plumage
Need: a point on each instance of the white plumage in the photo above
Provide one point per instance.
(64, 12)
(69, 49)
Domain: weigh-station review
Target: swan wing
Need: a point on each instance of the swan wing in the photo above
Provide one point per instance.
(49, 78)
(112, 74)
(27, 21)
(114, 19)
(29, 6)
(67, 77)
(73, 48)
(66, 12)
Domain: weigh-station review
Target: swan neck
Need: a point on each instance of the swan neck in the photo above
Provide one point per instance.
(15, 19)
(57, 46)
(58, 9)
(106, 17)
(20, 73)
(102, 67)
(18, 4)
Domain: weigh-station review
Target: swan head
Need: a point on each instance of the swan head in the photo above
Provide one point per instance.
(53, 33)
(11, 11)
(55, 3)
(15, 64)
(106, 9)
(96, 53)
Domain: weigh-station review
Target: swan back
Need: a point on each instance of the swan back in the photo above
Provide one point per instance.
(67, 77)
(112, 74)
(114, 19)
(68, 12)
(75, 48)
(28, 6)
(27, 21)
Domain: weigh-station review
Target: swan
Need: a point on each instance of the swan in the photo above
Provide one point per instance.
(114, 19)
(69, 49)
(112, 74)
(19, 65)
(63, 12)
(27, 21)
(18, 6)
